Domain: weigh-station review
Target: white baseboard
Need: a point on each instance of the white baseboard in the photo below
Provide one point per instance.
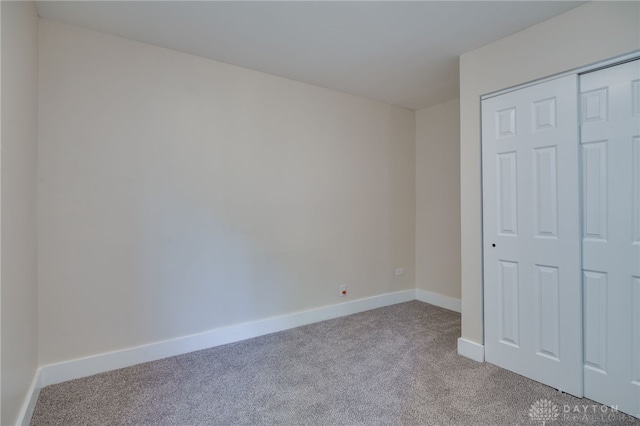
(470, 349)
(68, 370)
(439, 300)
(26, 412)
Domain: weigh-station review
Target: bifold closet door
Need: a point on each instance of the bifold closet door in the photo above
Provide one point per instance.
(610, 147)
(531, 233)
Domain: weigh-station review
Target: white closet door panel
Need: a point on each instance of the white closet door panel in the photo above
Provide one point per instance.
(610, 147)
(532, 275)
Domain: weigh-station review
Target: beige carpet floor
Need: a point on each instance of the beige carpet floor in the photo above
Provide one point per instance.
(390, 366)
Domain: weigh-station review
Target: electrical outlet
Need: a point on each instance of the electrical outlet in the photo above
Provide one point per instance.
(399, 272)
(343, 290)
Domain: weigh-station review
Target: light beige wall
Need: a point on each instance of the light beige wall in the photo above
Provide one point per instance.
(588, 34)
(18, 141)
(438, 199)
(178, 194)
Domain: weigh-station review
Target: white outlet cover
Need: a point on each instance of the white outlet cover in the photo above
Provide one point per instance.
(399, 272)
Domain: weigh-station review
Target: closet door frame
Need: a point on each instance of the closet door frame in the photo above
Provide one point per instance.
(578, 71)
(618, 60)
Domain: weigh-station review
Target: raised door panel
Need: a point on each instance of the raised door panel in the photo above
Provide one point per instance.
(507, 193)
(546, 192)
(509, 301)
(595, 316)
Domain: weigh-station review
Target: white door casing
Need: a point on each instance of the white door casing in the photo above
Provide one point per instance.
(531, 210)
(610, 151)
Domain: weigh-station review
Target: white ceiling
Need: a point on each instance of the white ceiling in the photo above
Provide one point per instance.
(402, 53)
